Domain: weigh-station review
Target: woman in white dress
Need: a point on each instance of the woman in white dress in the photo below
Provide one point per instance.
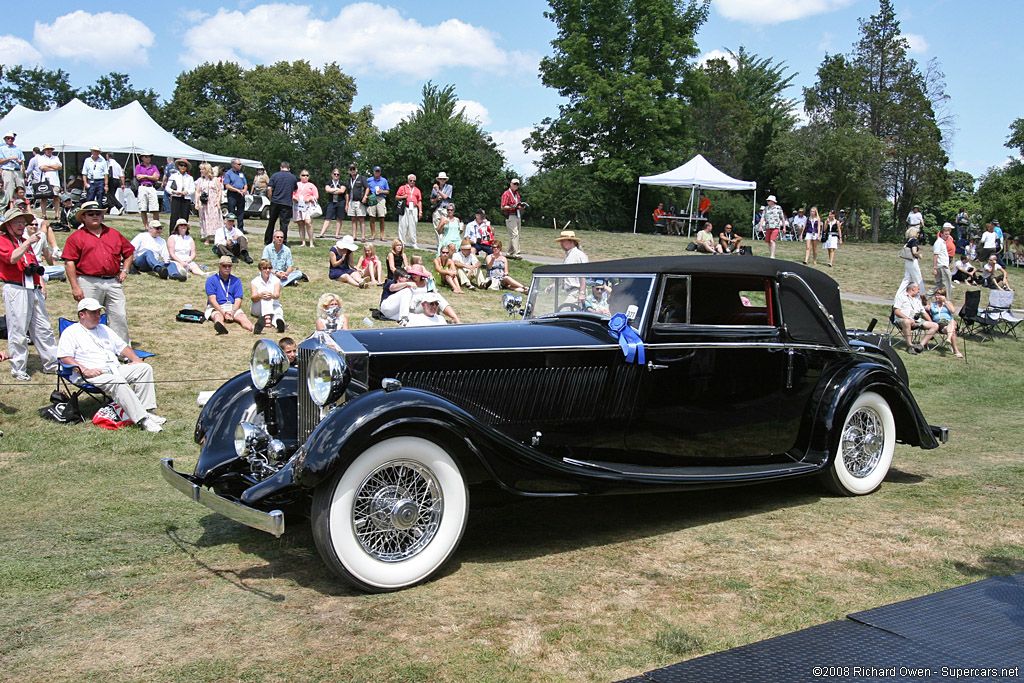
(265, 290)
(182, 249)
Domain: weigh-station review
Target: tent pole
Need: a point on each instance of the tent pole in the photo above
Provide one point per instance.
(636, 213)
(753, 215)
(689, 213)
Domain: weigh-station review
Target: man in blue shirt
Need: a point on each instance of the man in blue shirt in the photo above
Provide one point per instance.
(380, 189)
(281, 188)
(12, 168)
(94, 175)
(1000, 242)
(224, 298)
(169, 168)
(236, 187)
(281, 264)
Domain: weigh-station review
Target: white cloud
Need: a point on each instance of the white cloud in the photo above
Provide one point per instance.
(825, 44)
(474, 111)
(102, 39)
(511, 143)
(916, 42)
(716, 54)
(761, 12)
(386, 116)
(15, 50)
(364, 38)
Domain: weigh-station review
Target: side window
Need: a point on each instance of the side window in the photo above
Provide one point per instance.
(731, 301)
(674, 302)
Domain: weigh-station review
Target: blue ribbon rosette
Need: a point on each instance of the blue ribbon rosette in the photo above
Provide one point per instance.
(629, 341)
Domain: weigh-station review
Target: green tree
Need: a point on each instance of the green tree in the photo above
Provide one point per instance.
(1001, 190)
(115, 90)
(1016, 139)
(438, 137)
(37, 88)
(622, 66)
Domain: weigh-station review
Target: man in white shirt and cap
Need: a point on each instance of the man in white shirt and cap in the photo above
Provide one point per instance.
(93, 349)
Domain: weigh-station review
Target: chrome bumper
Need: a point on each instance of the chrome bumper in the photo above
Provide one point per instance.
(941, 434)
(272, 522)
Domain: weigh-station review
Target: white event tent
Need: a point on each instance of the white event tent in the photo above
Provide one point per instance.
(696, 174)
(76, 127)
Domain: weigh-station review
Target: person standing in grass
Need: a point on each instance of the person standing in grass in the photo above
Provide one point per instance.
(147, 175)
(335, 190)
(380, 189)
(511, 206)
(833, 231)
(207, 197)
(773, 220)
(940, 261)
(236, 186)
(409, 213)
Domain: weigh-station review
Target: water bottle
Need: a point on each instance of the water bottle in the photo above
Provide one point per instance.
(368, 322)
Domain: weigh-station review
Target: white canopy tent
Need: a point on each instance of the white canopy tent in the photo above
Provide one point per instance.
(76, 127)
(696, 174)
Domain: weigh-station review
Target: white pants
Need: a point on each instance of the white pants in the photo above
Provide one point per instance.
(911, 273)
(111, 296)
(407, 227)
(271, 307)
(396, 306)
(131, 386)
(26, 315)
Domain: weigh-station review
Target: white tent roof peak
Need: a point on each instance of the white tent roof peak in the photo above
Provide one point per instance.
(76, 127)
(698, 173)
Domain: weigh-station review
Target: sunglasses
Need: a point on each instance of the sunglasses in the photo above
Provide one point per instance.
(92, 213)
(303, 175)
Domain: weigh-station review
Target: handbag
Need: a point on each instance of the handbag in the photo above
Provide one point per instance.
(906, 253)
(401, 204)
(42, 189)
(372, 200)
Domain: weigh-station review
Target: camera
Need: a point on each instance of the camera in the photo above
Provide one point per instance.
(204, 197)
(34, 269)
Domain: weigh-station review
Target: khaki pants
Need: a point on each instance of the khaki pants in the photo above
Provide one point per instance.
(513, 223)
(475, 277)
(131, 386)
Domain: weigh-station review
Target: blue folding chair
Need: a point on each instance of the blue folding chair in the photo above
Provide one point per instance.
(65, 374)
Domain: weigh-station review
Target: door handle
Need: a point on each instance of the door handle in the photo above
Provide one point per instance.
(652, 366)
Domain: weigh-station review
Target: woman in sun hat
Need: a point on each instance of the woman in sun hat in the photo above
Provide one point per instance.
(341, 263)
(181, 187)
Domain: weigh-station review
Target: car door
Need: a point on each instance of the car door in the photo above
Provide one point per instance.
(716, 373)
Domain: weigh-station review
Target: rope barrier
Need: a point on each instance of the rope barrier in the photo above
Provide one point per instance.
(156, 381)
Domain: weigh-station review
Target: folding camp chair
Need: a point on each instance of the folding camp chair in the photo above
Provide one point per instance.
(895, 332)
(974, 322)
(999, 303)
(66, 383)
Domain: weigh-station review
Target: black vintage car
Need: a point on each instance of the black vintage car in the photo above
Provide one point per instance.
(647, 374)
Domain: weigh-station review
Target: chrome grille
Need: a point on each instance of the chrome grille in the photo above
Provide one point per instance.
(534, 396)
(309, 412)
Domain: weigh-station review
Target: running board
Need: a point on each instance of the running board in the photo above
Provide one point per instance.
(704, 473)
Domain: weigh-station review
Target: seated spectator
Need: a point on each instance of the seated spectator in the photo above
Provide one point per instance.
(417, 260)
(659, 222)
(182, 249)
(497, 271)
(479, 233)
(963, 271)
(291, 350)
(281, 264)
(993, 275)
(151, 254)
(972, 249)
(66, 221)
(1017, 252)
(706, 241)
(961, 244)
(449, 229)
(369, 265)
(329, 315)
(911, 315)
(93, 350)
(265, 292)
(396, 258)
(418, 275)
(728, 240)
(468, 270)
(230, 241)
(429, 317)
(597, 299)
(224, 298)
(942, 312)
(396, 295)
(446, 270)
(341, 263)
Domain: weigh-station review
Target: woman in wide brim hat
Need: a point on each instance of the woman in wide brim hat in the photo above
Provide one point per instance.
(342, 269)
(185, 162)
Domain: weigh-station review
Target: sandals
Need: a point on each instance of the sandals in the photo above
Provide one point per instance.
(958, 355)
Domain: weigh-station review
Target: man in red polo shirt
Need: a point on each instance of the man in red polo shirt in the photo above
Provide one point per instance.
(96, 260)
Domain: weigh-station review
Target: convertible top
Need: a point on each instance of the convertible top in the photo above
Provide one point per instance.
(824, 287)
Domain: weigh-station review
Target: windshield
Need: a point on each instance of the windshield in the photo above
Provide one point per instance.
(599, 294)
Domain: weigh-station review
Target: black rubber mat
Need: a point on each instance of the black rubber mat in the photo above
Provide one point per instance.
(982, 622)
(970, 633)
(836, 651)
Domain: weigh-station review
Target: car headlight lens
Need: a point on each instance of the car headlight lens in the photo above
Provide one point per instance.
(249, 436)
(327, 376)
(267, 364)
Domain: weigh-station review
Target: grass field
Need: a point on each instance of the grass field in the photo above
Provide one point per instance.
(108, 574)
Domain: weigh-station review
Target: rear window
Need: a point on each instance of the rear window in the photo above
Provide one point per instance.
(716, 300)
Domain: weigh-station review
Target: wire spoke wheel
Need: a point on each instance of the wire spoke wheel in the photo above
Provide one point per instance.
(397, 510)
(862, 450)
(862, 442)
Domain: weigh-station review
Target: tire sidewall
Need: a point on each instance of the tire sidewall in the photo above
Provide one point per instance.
(332, 519)
(844, 480)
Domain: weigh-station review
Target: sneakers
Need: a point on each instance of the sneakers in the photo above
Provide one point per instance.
(162, 272)
(156, 418)
(150, 425)
(280, 325)
(259, 325)
(220, 328)
(20, 376)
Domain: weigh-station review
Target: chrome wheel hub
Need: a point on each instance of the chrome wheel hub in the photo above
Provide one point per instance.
(397, 510)
(862, 443)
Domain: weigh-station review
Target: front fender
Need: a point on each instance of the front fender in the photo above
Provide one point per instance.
(844, 388)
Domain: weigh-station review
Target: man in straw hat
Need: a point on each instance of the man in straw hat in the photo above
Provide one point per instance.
(49, 165)
(95, 175)
(148, 176)
(773, 220)
(12, 168)
(24, 294)
(96, 260)
(440, 198)
(93, 350)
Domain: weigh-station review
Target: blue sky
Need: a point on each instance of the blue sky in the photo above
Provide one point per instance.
(490, 51)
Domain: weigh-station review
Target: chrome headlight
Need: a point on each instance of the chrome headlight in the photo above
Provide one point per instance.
(327, 377)
(249, 436)
(267, 364)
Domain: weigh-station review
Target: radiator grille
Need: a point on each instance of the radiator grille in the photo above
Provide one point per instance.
(534, 396)
(309, 412)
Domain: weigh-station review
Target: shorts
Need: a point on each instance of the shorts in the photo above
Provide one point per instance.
(771, 234)
(379, 210)
(356, 208)
(335, 211)
(942, 326)
(808, 237)
(148, 201)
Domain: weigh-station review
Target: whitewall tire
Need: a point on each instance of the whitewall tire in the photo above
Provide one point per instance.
(862, 454)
